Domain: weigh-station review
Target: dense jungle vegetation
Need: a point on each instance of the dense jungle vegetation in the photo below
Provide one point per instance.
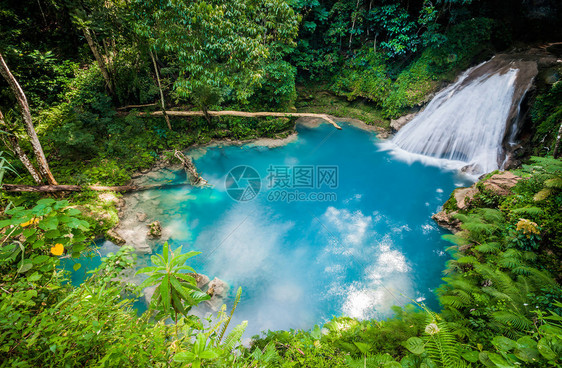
(80, 81)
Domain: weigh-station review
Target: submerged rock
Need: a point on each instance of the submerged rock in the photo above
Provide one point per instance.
(155, 229)
(141, 216)
(113, 236)
(217, 290)
(202, 280)
(148, 293)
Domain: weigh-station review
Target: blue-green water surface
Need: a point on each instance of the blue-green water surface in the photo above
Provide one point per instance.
(370, 243)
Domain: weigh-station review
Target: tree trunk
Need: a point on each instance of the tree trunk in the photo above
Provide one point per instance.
(14, 146)
(163, 104)
(192, 175)
(354, 18)
(99, 60)
(249, 115)
(26, 115)
(79, 188)
(557, 145)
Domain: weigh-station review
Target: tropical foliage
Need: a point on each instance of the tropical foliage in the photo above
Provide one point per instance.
(93, 70)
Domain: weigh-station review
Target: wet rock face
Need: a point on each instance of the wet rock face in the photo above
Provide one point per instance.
(463, 196)
(114, 237)
(447, 221)
(397, 124)
(499, 184)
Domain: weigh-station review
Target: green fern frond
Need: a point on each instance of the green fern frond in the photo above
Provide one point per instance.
(492, 247)
(510, 262)
(554, 183)
(461, 284)
(234, 337)
(530, 256)
(531, 211)
(521, 270)
(512, 253)
(491, 215)
(451, 301)
(511, 319)
(467, 260)
(479, 228)
(227, 321)
(442, 347)
(455, 239)
(495, 293)
(542, 194)
(541, 278)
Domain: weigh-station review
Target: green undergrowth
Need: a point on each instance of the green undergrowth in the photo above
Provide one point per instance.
(317, 99)
(500, 298)
(396, 88)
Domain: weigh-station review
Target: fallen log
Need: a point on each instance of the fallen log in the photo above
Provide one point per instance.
(249, 115)
(191, 171)
(135, 106)
(79, 188)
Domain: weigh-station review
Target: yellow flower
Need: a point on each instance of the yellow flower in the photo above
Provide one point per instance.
(529, 227)
(33, 221)
(57, 250)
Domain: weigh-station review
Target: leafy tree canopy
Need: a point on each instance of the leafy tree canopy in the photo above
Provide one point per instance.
(219, 45)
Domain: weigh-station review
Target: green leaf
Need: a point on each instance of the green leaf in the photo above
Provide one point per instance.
(151, 280)
(181, 259)
(471, 356)
(184, 357)
(165, 292)
(200, 343)
(76, 266)
(72, 212)
(503, 343)
(209, 354)
(40, 259)
(392, 365)
(415, 345)
(28, 232)
(363, 348)
(34, 277)
(158, 260)
(49, 223)
(165, 252)
(26, 266)
(316, 333)
(52, 234)
(46, 201)
(544, 348)
(178, 287)
(485, 359)
(499, 361)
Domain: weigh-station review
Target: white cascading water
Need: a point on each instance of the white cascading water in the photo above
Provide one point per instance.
(463, 126)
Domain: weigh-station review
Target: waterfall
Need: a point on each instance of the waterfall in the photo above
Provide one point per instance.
(466, 125)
